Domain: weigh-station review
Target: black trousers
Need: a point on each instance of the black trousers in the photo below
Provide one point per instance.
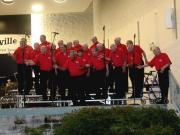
(24, 78)
(87, 86)
(45, 78)
(37, 79)
(53, 83)
(109, 79)
(120, 80)
(77, 91)
(62, 82)
(164, 83)
(137, 79)
(99, 83)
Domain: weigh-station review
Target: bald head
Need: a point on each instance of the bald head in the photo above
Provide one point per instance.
(36, 46)
(113, 47)
(43, 38)
(60, 43)
(130, 45)
(85, 47)
(156, 50)
(76, 42)
(23, 42)
(69, 45)
(100, 46)
(94, 40)
(117, 40)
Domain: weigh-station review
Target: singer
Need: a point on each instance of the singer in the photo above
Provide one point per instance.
(161, 62)
(119, 62)
(136, 75)
(21, 55)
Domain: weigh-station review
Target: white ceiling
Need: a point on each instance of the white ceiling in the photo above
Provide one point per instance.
(24, 6)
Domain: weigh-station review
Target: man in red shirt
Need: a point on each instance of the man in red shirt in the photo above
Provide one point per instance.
(119, 62)
(44, 42)
(118, 73)
(86, 51)
(45, 65)
(86, 54)
(162, 63)
(69, 47)
(135, 59)
(77, 70)
(21, 55)
(61, 57)
(35, 54)
(99, 71)
(95, 42)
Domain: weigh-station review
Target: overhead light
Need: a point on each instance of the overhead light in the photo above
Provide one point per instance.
(59, 1)
(7, 2)
(37, 8)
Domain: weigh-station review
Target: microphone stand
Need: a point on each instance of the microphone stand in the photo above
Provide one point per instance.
(23, 64)
(24, 72)
(52, 53)
(53, 62)
(134, 77)
(104, 41)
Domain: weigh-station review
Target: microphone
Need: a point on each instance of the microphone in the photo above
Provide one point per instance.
(104, 27)
(134, 35)
(55, 33)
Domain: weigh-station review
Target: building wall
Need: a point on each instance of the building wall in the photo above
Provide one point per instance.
(121, 16)
(70, 26)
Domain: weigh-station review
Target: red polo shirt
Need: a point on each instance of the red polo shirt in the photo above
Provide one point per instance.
(77, 47)
(116, 59)
(93, 46)
(159, 61)
(18, 54)
(119, 57)
(74, 67)
(97, 61)
(69, 50)
(135, 57)
(87, 54)
(57, 51)
(61, 58)
(35, 53)
(44, 61)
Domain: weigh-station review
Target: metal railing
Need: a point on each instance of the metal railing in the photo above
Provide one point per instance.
(174, 94)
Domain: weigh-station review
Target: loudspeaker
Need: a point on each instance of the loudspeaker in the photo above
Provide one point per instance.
(170, 18)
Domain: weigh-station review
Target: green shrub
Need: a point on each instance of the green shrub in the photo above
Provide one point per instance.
(120, 121)
(33, 131)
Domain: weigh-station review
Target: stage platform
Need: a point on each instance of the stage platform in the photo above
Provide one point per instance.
(40, 111)
(13, 100)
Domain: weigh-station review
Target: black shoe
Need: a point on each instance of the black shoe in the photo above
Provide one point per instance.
(105, 96)
(159, 102)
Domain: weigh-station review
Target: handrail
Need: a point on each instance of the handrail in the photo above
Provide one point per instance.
(174, 93)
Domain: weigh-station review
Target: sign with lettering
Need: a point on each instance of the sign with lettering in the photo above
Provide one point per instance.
(9, 42)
